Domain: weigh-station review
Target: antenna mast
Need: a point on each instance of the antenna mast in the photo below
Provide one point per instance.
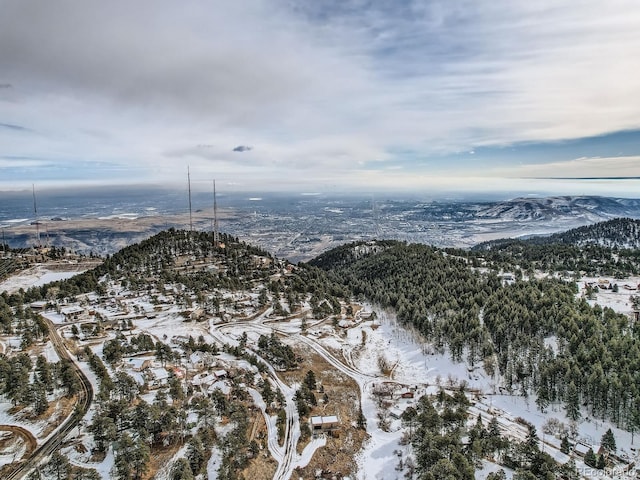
(35, 212)
(190, 211)
(376, 223)
(215, 217)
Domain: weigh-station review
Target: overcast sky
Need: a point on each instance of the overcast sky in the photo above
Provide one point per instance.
(323, 95)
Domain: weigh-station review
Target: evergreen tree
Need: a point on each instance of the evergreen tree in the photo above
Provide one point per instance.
(524, 475)
(608, 441)
(181, 470)
(267, 393)
(43, 372)
(40, 402)
(590, 458)
(568, 471)
(499, 475)
(58, 467)
(195, 455)
(310, 380)
(86, 474)
(572, 402)
(131, 457)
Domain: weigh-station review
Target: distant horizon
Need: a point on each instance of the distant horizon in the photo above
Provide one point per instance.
(615, 187)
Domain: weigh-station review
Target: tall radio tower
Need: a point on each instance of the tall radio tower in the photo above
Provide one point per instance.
(35, 212)
(216, 240)
(190, 211)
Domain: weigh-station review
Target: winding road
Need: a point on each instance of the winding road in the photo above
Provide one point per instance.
(85, 397)
(286, 456)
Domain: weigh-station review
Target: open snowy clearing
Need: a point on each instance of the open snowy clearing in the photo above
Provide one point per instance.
(37, 276)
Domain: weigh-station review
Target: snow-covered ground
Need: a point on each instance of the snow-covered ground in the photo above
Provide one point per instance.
(35, 277)
(358, 352)
(619, 301)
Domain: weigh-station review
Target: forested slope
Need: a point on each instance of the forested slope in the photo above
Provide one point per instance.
(605, 248)
(590, 357)
(191, 260)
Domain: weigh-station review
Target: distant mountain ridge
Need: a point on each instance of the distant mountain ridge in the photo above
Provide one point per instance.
(302, 229)
(619, 233)
(585, 208)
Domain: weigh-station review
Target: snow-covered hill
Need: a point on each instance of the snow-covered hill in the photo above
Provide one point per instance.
(586, 209)
(616, 233)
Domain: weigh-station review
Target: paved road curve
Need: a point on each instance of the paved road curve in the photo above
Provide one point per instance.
(85, 397)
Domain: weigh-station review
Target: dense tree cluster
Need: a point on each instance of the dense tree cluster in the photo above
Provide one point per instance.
(24, 322)
(120, 346)
(537, 334)
(157, 258)
(305, 397)
(280, 355)
(436, 292)
(608, 248)
(446, 447)
(26, 384)
(437, 437)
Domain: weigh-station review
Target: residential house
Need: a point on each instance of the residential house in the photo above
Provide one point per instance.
(158, 377)
(324, 423)
(138, 364)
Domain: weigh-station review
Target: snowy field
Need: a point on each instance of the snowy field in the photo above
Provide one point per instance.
(36, 277)
(356, 351)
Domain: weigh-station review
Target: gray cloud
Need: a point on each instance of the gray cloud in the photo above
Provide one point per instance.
(322, 86)
(10, 126)
(242, 148)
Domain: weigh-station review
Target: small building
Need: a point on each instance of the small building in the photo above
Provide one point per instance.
(40, 305)
(582, 449)
(221, 374)
(508, 278)
(204, 379)
(179, 340)
(325, 423)
(158, 376)
(139, 364)
(222, 385)
(197, 313)
(406, 394)
(71, 313)
(201, 360)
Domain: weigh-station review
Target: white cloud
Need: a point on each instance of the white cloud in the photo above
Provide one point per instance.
(317, 90)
